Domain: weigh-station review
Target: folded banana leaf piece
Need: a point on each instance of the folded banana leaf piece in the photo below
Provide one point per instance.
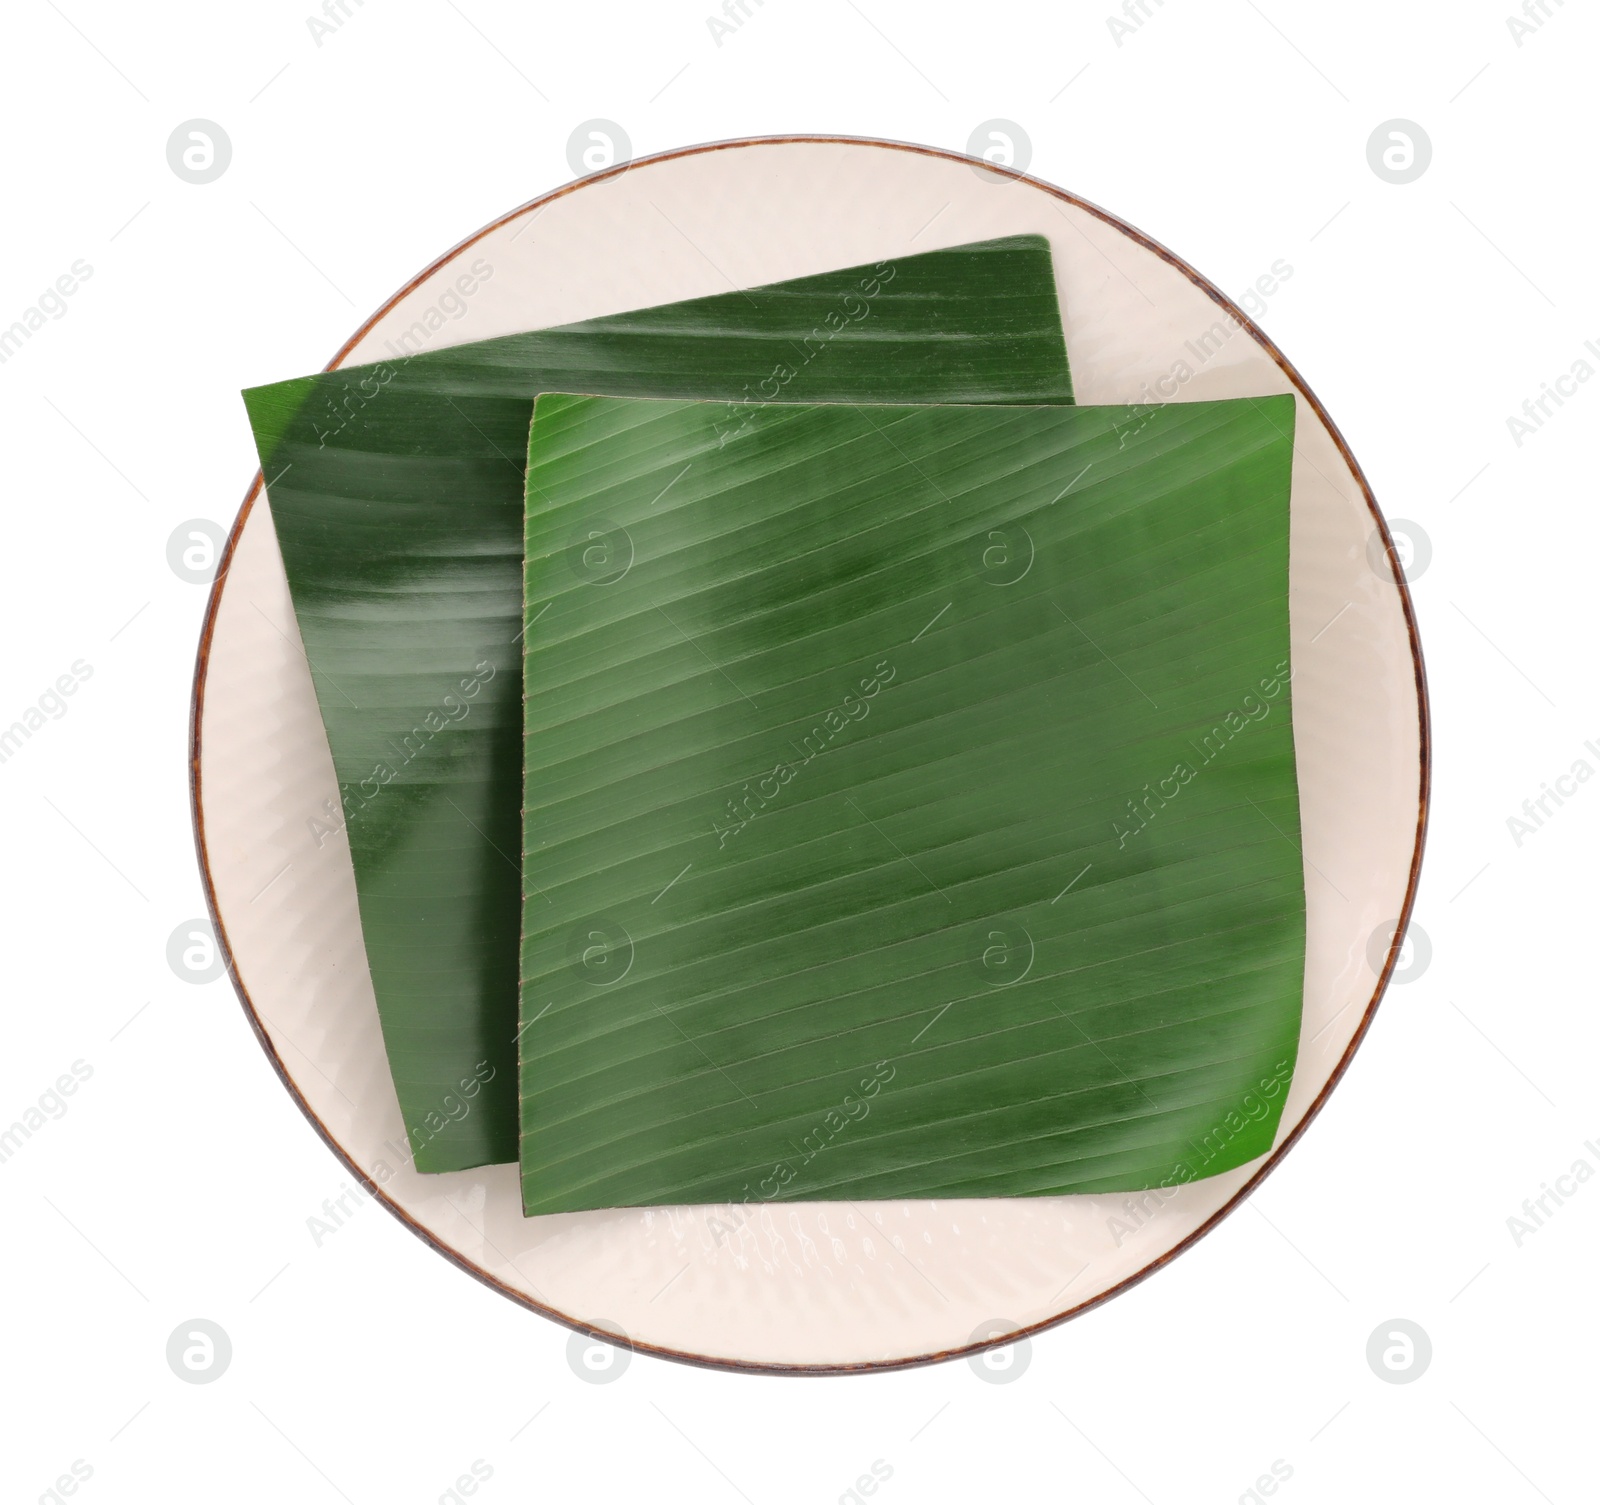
(396, 491)
(910, 801)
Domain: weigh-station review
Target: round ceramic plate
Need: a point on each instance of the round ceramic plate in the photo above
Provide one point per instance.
(813, 1285)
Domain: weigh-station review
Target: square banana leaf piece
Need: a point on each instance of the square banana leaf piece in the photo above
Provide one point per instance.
(396, 490)
(910, 800)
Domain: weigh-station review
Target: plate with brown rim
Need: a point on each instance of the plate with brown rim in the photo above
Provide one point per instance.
(812, 1286)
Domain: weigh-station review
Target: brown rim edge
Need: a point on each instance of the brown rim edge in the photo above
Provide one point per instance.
(1424, 782)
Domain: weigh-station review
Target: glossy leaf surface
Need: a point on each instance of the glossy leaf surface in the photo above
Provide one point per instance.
(397, 494)
(911, 805)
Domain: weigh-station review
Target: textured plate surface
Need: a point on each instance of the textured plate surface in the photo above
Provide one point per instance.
(813, 1284)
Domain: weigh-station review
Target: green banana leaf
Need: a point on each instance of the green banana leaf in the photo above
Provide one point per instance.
(397, 493)
(910, 800)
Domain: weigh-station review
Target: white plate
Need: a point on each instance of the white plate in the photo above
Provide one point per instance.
(815, 1285)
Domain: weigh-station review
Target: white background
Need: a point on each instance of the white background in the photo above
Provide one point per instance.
(179, 1180)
